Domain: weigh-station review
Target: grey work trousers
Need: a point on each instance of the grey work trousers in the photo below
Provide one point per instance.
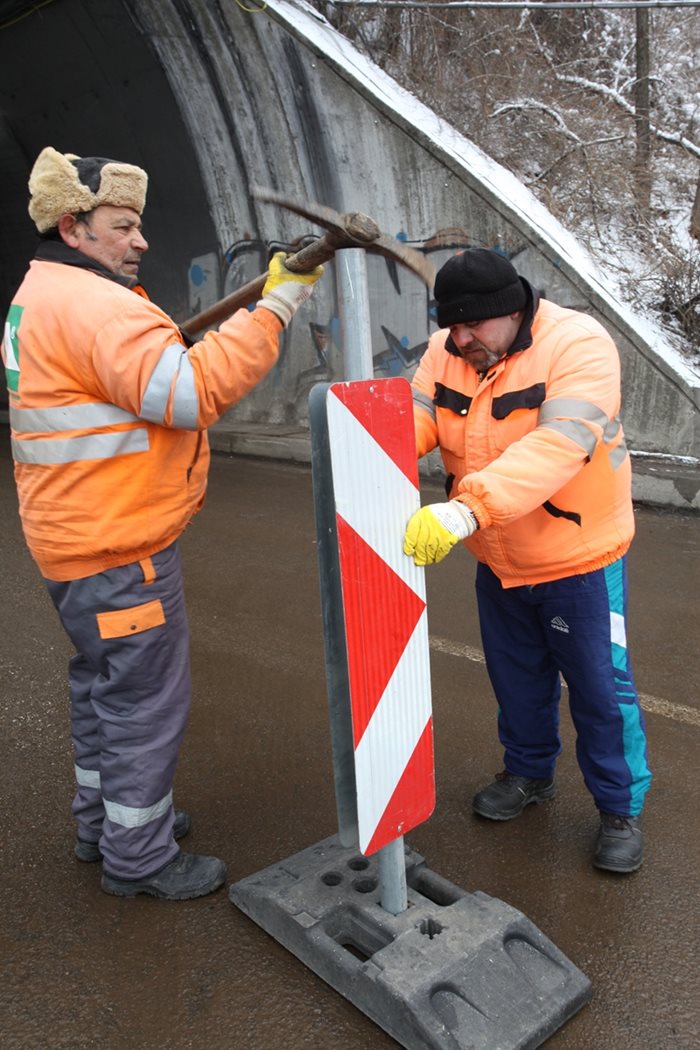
(130, 693)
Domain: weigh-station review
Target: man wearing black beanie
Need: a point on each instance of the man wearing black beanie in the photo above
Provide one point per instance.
(523, 397)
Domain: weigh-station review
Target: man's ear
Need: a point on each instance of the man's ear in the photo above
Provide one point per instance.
(67, 227)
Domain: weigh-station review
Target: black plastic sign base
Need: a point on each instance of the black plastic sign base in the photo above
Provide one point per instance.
(455, 970)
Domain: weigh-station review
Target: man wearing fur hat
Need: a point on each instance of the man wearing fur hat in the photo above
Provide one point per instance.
(523, 397)
(109, 409)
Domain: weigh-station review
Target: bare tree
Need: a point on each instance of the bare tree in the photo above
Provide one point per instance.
(597, 111)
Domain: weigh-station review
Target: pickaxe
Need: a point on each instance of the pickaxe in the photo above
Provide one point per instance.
(352, 230)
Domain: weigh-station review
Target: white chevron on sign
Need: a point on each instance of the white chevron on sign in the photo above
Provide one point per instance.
(394, 729)
(375, 499)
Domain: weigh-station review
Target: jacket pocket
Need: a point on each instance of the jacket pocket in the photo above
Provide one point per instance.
(197, 450)
(122, 622)
(515, 414)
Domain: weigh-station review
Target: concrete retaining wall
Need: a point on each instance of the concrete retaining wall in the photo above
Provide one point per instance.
(279, 98)
(275, 97)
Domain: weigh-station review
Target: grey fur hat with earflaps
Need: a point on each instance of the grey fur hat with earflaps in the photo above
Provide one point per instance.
(63, 183)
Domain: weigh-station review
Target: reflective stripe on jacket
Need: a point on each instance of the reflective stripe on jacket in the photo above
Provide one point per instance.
(109, 410)
(535, 448)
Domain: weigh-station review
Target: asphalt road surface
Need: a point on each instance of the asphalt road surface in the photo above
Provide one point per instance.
(80, 970)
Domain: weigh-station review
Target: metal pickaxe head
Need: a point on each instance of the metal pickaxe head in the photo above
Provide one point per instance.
(354, 230)
(351, 230)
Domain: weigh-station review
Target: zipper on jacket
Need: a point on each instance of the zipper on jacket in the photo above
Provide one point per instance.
(196, 454)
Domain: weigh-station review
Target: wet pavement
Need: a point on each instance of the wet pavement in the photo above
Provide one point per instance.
(80, 970)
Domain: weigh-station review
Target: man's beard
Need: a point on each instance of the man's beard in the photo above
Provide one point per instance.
(490, 359)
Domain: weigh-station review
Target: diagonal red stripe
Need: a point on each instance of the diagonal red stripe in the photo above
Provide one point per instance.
(381, 613)
(384, 407)
(414, 798)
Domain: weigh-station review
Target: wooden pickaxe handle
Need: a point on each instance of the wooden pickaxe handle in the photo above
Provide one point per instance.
(359, 231)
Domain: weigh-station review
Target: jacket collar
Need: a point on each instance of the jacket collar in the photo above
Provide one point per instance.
(523, 337)
(59, 252)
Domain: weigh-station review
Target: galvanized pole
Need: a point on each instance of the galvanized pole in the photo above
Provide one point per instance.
(353, 309)
(358, 364)
(393, 894)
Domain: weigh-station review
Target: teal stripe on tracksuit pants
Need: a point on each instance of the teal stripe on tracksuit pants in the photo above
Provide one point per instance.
(574, 627)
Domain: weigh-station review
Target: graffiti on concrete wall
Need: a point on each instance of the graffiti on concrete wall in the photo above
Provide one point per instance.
(401, 310)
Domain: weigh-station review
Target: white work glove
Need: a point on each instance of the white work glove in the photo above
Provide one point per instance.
(433, 531)
(285, 291)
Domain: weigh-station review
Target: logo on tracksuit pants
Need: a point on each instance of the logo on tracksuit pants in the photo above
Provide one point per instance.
(559, 624)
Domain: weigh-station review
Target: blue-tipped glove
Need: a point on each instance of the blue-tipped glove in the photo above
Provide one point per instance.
(285, 291)
(433, 531)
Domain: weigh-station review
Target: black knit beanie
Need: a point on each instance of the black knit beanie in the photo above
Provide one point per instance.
(477, 284)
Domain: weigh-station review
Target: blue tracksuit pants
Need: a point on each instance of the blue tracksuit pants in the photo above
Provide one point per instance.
(574, 627)
(130, 697)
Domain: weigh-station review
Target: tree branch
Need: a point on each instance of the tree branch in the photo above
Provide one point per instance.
(614, 96)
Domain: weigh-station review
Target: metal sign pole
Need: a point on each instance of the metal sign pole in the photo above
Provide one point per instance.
(358, 363)
(353, 311)
(393, 894)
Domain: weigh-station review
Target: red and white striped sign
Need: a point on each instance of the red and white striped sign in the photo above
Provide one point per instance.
(375, 483)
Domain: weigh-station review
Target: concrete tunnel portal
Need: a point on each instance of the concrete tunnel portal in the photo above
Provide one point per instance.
(212, 99)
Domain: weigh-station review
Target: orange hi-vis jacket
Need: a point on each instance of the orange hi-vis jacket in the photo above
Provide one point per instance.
(109, 410)
(535, 449)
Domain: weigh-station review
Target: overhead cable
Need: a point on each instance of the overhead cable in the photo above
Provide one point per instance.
(541, 5)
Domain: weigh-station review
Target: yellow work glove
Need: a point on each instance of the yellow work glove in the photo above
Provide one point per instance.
(432, 531)
(285, 291)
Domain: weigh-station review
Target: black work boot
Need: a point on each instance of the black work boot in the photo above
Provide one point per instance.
(619, 846)
(509, 794)
(187, 876)
(89, 852)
